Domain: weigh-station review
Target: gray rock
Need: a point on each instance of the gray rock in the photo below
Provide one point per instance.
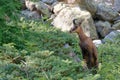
(97, 42)
(106, 13)
(74, 57)
(40, 7)
(103, 28)
(65, 16)
(106, 2)
(117, 5)
(71, 53)
(77, 59)
(24, 13)
(30, 14)
(116, 20)
(44, 8)
(89, 5)
(49, 1)
(111, 3)
(30, 5)
(112, 36)
(66, 46)
(34, 15)
(116, 25)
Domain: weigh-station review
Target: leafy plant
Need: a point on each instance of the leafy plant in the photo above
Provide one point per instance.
(32, 50)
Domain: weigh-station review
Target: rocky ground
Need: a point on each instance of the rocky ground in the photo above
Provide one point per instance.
(101, 17)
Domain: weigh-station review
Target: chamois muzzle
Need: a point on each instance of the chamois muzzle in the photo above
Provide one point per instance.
(72, 29)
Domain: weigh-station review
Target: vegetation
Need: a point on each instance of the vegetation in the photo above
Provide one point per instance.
(32, 50)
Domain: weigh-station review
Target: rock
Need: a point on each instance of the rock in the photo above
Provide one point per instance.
(30, 5)
(71, 53)
(58, 7)
(40, 7)
(116, 25)
(112, 36)
(74, 57)
(85, 4)
(65, 16)
(66, 46)
(25, 13)
(89, 5)
(106, 13)
(49, 1)
(70, 1)
(44, 8)
(34, 15)
(30, 14)
(103, 28)
(97, 42)
(73, 1)
(117, 5)
(77, 59)
(65, 1)
(106, 2)
(117, 19)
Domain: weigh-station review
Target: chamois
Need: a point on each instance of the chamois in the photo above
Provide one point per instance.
(89, 51)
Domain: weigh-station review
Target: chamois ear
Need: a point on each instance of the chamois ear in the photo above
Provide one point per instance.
(77, 22)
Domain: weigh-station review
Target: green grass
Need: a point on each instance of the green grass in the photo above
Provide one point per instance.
(110, 58)
(35, 51)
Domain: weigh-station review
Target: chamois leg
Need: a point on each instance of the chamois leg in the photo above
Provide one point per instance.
(90, 62)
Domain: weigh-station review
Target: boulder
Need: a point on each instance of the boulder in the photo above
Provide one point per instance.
(58, 7)
(30, 5)
(97, 42)
(116, 25)
(71, 53)
(65, 16)
(49, 1)
(43, 8)
(117, 19)
(112, 36)
(89, 5)
(70, 1)
(111, 3)
(40, 7)
(34, 15)
(30, 14)
(106, 13)
(103, 28)
(106, 2)
(117, 5)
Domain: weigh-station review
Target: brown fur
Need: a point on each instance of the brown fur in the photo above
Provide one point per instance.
(89, 51)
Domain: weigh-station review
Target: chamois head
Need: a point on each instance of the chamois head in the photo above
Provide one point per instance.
(76, 25)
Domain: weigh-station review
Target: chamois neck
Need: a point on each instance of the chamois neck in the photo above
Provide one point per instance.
(81, 34)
